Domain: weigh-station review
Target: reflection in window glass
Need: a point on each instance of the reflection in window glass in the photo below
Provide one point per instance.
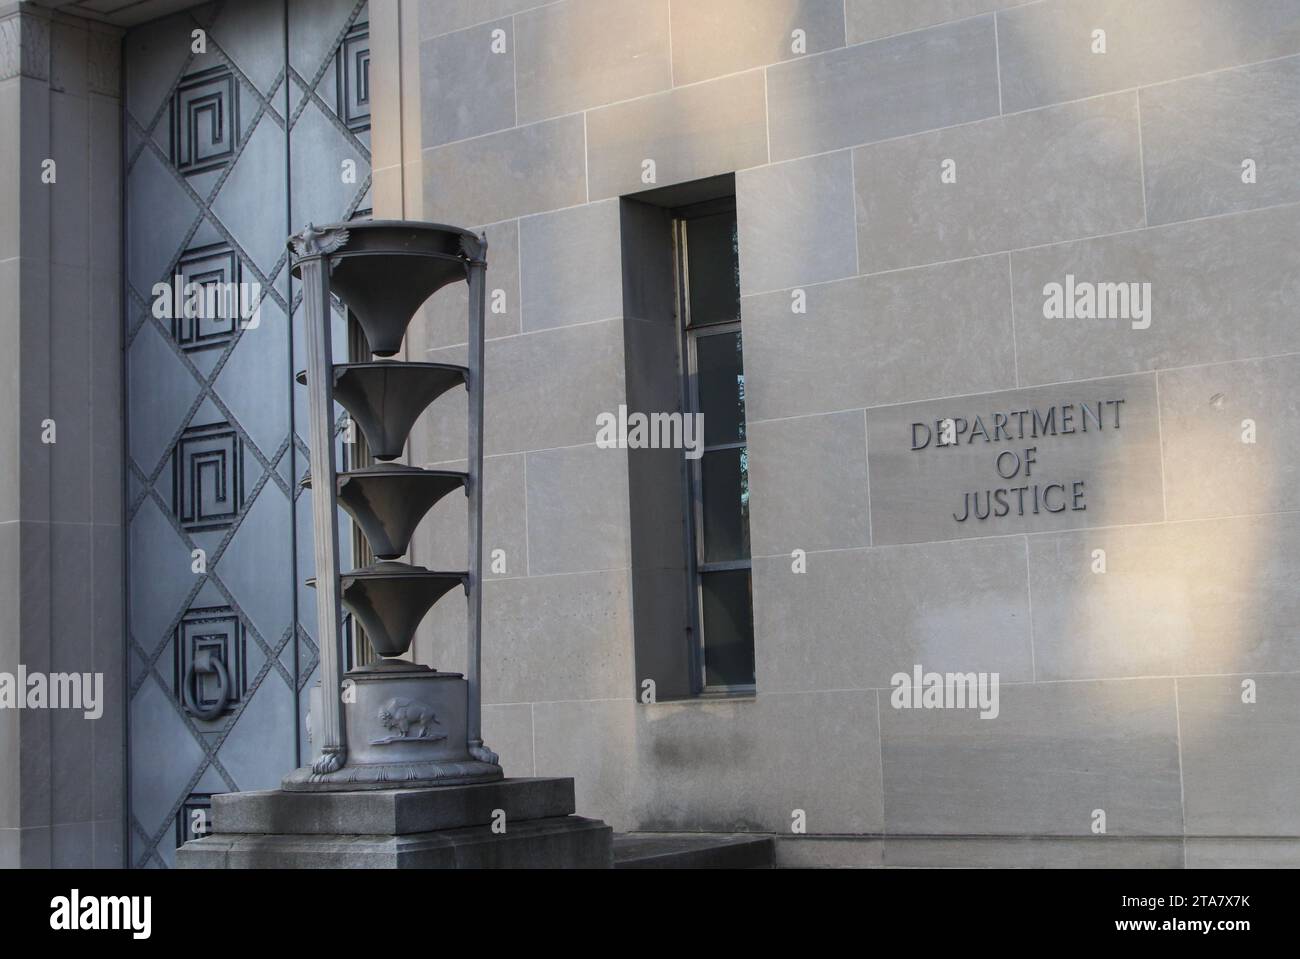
(725, 498)
(713, 266)
(720, 373)
(728, 628)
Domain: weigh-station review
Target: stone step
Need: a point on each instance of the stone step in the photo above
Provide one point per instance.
(391, 812)
(657, 850)
(563, 842)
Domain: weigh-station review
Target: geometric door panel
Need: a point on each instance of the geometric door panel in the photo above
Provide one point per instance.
(208, 469)
(353, 75)
(205, 120)
(226, 150)
(211, 631)
(213, 317)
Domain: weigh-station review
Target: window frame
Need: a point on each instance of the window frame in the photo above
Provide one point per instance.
(693, 489)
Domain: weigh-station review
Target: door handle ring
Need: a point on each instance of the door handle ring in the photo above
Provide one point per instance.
(205, 661)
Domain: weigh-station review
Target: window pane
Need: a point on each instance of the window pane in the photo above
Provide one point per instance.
(713, 267)
(725, 495)
(728, 628)
(721, 378)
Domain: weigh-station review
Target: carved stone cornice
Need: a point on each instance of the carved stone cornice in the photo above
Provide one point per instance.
(24, 46)
(104, 63)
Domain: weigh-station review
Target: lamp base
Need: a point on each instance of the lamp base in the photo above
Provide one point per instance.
(406, 729)
(392, 776)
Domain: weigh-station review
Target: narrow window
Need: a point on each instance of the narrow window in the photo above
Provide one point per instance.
(708, 300)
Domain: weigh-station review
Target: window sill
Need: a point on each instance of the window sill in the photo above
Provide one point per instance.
(710, 696)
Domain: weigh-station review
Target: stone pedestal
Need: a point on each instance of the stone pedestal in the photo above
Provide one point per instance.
(511, 823)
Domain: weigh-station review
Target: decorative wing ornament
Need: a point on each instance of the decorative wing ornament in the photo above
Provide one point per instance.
(313, 241)
(474, 248)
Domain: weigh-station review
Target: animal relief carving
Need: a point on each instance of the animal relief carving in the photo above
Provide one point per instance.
(400, 716)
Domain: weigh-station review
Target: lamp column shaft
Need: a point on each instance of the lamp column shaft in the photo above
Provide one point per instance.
(320, 391)
(477, 292)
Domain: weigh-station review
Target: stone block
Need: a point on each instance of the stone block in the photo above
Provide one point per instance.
(690, 133)
(1220, 289)
(727, 36)
(1046, 49)
(870, 341)
(1023, 180)
(467, 84)
(506, 174)
(582, 53)
(1197, 134)
(889, 88)
(795, 222)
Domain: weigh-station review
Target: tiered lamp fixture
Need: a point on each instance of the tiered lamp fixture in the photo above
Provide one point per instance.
(398, 725)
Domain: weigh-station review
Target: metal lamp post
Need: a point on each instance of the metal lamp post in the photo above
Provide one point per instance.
(401, 724)
(391, 729)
